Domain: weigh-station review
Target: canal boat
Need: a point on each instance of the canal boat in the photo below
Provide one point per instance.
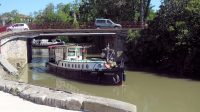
(71, 61)
(46, 42)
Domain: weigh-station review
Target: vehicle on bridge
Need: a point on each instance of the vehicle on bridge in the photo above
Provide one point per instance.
(71, 61)
(18, 27)
(106, 23)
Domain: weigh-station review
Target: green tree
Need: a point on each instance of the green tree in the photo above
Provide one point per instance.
(59, 15)
(171, 42)
(75, 11)
(87, 10)
(64, 38)
(118, 10)
(192, 22)
(48, 13)
(13, 17)
(63, 13)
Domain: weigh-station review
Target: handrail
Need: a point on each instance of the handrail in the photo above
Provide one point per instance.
(82, 25)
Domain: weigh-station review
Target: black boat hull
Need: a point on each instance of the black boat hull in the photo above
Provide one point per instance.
(114, 76)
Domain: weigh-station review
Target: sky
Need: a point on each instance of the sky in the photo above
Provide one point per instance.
(29, 6)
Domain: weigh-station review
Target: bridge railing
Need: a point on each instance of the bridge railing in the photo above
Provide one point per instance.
(57, 25)
(128, 24)
(3, 29)
(81, 25)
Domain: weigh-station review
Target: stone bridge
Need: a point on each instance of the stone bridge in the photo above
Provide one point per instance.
(16, 47)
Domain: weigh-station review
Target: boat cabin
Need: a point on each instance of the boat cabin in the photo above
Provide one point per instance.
(67, 52)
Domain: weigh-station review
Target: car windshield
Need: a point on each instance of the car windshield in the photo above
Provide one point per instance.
(21, 24)
(15, 25)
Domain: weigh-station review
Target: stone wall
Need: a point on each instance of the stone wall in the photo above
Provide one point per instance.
(65, 100)
(15, 52)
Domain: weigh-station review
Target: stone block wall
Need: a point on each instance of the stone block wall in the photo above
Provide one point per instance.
(15, 51)
(64, 99)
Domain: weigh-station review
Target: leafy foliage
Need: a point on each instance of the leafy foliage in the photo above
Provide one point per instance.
(89, 10)
(117, 10)
(61, 13)
(14, 17)
(171, 43)
(64, 38)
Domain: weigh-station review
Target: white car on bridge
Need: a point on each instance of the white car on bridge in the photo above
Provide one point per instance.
(18, 27)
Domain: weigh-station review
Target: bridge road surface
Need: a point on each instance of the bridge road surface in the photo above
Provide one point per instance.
(10, 103)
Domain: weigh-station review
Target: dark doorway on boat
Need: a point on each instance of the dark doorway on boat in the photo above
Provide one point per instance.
(97, 43)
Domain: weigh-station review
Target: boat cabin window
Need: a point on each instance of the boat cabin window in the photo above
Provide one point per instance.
(58, 40)
(87, 66)
(79, 52)
(71, 52)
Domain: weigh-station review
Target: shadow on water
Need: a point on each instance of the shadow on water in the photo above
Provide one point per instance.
(146, 89)
(161, 73)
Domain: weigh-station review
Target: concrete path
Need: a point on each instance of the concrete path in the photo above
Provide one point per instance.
(10, 103)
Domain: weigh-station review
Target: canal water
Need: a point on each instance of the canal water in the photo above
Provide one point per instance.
(148, 91)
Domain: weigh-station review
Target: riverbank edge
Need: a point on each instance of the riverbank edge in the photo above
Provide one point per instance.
(64, 100)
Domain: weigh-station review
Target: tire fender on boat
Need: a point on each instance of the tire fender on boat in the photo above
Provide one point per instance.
(116, 78)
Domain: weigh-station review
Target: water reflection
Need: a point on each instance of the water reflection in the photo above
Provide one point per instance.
(148, 91)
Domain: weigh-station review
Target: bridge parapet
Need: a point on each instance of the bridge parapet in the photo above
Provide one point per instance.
(34, 33)
(82, 25)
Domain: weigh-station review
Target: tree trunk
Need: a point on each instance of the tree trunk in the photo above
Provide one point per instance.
(147, 10)
(142, 12)
(133, 9)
